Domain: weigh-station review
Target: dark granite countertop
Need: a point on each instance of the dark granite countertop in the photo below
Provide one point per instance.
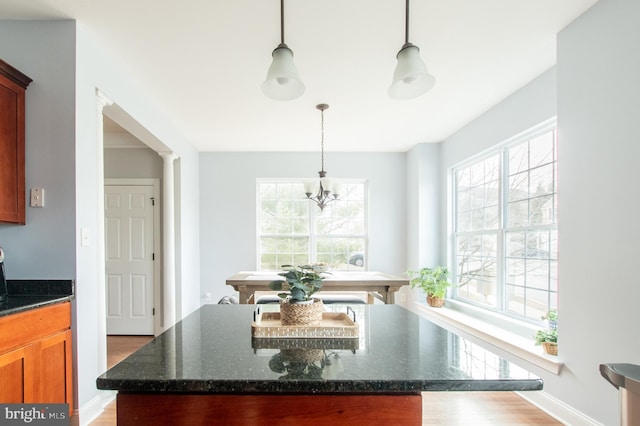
(212, 351)
(24, 295)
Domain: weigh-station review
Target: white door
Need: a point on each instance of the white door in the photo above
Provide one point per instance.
(129, 259)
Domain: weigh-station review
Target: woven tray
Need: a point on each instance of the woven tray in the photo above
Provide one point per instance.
(334, 325)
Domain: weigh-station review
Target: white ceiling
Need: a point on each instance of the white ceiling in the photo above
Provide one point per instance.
(203, 61)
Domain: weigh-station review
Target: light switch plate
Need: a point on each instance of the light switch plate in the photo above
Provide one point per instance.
(84, 237)
(37, 197)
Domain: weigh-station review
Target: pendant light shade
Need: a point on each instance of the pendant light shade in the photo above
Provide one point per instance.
(283, 82)
(411, 78)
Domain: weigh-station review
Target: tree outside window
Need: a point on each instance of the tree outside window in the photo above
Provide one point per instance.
(505, 226)
(292, 230)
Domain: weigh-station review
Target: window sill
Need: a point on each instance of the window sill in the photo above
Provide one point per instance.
(510, 342)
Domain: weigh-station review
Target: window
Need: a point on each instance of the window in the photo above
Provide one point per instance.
(505, 227)
(293, 231)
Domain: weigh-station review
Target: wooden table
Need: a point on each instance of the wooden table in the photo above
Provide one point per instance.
(376, 284)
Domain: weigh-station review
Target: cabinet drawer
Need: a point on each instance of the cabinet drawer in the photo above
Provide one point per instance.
(25, 327)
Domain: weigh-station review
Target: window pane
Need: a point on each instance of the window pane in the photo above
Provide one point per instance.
(477, 268)
(541, 150)
(519, 186)
(542, 181)
(506, 241)
(518, 159)
(518, 214)
(292, 230)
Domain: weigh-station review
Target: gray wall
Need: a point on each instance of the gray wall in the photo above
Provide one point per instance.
(45, 246)
(228, 206)
(96, 69)
(61, 125)
(599, 127)
(132, 163)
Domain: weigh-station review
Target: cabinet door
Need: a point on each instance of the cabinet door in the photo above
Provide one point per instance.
(53, 384)
(16, 370)
(12, 160)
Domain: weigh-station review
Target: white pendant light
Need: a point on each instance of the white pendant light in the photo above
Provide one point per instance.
(283, 82)
(411, 78)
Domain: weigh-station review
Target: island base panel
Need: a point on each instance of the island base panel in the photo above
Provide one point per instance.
(299, 410)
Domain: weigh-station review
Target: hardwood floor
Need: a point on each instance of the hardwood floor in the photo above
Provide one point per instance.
(438, 408)
(120, 347)
(481, 408)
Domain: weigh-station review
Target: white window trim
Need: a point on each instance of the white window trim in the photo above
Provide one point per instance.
(498, 329)
(531, 132)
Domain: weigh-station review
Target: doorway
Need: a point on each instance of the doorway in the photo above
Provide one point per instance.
(132, 233)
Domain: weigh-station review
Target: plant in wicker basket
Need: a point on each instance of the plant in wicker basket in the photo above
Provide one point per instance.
(297, 307)
(300, 364)
(433, 281)
(549, 338)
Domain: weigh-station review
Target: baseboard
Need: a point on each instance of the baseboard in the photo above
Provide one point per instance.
(559, 410)
(92, 409)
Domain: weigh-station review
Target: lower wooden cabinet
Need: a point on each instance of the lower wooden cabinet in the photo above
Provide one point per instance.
(36, 356)
(16, 367)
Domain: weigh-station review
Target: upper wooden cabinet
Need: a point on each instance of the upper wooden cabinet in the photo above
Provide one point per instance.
(13, 85)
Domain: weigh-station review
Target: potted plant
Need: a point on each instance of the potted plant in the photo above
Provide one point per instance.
(302, 363)
(548, 337)
(433, 281)
(297, 306)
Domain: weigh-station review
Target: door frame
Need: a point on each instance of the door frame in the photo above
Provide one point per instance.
(157, 246)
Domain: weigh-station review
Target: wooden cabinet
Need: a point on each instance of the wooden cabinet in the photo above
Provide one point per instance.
(13, 85)
(36, 356)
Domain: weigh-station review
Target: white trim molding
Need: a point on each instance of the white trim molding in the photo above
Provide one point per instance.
(557, 409)
(94, 408)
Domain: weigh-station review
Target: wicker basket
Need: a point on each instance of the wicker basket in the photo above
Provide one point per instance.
(550, 347)
(308, 356)
(301, 313)
(434, 301)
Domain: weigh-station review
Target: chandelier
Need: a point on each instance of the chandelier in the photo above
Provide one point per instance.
(325, 190)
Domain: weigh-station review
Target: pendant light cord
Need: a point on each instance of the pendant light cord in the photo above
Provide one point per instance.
(282, 21)
(406, 24)
(322, 139)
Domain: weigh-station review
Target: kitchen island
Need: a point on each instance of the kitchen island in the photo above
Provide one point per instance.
(207, 369)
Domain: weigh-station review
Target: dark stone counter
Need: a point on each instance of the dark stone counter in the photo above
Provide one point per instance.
(24, 295)
(397, 352)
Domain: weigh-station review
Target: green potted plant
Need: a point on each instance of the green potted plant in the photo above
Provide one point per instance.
(548, 338)
(433, 281)
(300, 283)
